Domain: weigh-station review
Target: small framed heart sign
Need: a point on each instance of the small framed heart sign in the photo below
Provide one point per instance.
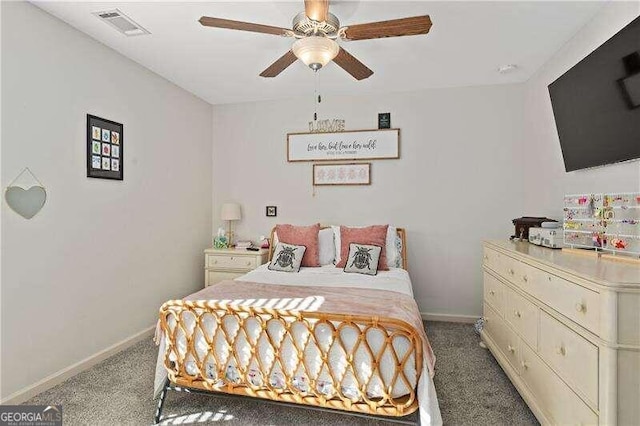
(26, 202)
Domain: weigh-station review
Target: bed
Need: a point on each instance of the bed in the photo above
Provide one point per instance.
(320, 338)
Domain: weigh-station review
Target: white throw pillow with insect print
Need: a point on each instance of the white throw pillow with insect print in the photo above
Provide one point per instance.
(287, 258)
(363, 259)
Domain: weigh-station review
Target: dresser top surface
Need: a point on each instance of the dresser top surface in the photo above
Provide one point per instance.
(603, 271)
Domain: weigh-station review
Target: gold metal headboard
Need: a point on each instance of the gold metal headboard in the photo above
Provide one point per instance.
(400, 231)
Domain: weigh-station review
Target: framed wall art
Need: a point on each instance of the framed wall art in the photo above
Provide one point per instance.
(342, 174)
(105, 142)
(348, 145)
(272, 211)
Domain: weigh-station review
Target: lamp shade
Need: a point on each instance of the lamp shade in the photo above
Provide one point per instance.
(230, 211)
(315, 51)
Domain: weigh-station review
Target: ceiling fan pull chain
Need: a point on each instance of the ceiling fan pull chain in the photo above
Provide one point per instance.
(316, 97)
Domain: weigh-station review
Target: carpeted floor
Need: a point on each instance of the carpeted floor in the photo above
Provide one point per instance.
(472, 390)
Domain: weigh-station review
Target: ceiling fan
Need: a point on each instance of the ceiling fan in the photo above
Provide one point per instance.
(317, 30)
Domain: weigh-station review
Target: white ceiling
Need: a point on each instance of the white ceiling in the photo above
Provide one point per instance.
(466, 45)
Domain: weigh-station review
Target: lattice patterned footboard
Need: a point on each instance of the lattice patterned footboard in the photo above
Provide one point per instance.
(361, 364)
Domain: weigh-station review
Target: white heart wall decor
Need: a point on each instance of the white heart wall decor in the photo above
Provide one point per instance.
(27, 203)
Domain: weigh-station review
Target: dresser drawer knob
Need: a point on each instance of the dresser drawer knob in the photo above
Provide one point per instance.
(486, 257)
(581, 307)
(511, 348)
(491, 292)
(525, 279)
(524, 365)
(249, 263)
(561, 350)
(511, 271)
(517, 313)
(215, 261)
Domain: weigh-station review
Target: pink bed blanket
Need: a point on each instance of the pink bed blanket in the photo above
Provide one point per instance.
(324, 300)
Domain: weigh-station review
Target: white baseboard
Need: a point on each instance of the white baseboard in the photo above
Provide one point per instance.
(60, 376)
(466, 319)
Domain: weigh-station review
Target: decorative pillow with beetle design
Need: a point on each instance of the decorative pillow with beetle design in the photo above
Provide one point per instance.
(363, 259)
(287, 258)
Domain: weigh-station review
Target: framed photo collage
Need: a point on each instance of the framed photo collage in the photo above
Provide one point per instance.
(104, 148)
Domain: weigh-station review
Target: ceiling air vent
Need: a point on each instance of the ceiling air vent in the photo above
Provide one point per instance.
(121, 22)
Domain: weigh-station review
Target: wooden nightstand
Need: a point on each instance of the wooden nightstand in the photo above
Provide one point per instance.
(227, 264)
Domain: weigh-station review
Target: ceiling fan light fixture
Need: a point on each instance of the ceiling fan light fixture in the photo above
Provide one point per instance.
(315, 51)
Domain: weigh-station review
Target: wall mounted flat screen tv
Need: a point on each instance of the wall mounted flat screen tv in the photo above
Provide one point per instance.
(596, 104)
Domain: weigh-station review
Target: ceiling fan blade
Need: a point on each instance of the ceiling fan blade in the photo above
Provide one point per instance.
(316, 9)
(280, 65)
(243, 26)
(394, 28)
(350, 64)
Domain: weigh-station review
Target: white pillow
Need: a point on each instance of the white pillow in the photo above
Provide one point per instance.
(394, 259)
(326, 247)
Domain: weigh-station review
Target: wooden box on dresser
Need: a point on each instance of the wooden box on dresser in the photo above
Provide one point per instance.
(565, 328)
(227, 264)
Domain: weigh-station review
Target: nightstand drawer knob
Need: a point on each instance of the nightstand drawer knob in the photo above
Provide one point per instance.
(215, 261)
(517, 313)
(511, 271)
(249, 263)
(525, 279)
(580, 307)
(491, 292)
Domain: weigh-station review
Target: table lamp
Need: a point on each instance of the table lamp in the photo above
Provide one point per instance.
(230, 212)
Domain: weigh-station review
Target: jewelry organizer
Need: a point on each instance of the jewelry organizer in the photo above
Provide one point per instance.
(604, 222)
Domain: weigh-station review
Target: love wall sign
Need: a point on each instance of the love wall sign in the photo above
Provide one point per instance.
(347, 145)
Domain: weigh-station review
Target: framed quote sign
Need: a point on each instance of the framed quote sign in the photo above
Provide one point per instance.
(347, 145)
(105, 144)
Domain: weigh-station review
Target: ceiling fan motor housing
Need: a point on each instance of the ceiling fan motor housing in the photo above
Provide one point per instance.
(303, 26)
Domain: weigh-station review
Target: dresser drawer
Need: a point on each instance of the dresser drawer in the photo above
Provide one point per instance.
(574, 358)
(492, 259)
(571, 300)
(506, 340)
(226, 262)
(505, 266)
(523, 316)
(553, 396)
(494, 292)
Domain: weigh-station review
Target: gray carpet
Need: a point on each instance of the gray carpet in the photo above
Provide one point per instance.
(472, 390)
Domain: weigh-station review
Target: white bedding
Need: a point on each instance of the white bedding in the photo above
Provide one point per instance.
(393, 280)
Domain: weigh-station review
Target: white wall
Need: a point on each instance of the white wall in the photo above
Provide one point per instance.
(93, 267)
(457, 181)
(545, 179)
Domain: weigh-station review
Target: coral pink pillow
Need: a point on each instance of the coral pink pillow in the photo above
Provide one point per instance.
(375, 235)
(302, 236)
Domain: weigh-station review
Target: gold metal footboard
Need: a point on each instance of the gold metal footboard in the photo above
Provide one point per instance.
(202, 338)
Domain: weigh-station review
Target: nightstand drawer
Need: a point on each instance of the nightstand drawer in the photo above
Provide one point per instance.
(226, 262)
(214, 277)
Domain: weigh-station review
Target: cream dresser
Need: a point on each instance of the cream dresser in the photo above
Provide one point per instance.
(566, 329)
(227, 264)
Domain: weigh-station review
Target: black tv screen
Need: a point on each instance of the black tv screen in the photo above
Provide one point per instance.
(596, 104)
